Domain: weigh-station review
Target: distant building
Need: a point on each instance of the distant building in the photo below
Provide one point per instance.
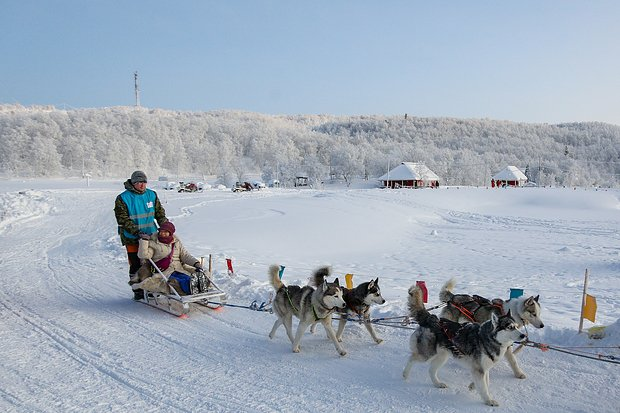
(410, 175)
(510, 176)
(301, 181)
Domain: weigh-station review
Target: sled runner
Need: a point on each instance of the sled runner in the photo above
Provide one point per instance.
(203, 292)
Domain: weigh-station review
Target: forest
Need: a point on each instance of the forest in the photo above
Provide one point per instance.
(44, 141)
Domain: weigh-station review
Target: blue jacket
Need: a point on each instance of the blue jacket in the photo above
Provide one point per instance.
(136, 212)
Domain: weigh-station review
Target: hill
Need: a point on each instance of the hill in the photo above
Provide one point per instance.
(111, 142)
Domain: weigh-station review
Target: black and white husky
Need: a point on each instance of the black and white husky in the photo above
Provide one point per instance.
(479, 346)
(464, 307)
(358, 301)
(308, 304)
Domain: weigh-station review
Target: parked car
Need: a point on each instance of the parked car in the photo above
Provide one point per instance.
(188, 187)
(241, 187)
(258, 185)
(202, 186)
(171, 186)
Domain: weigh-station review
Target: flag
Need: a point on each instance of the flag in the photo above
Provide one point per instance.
(349, 280)
(422, 286)
(516, 292)
(589, 308)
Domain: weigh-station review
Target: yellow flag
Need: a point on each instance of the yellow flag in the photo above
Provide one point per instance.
(349, 279)
(589, 308)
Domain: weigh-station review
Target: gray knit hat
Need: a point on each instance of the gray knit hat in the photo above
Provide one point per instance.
(138, 176)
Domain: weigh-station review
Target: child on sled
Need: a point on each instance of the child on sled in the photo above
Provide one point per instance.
(166, 250)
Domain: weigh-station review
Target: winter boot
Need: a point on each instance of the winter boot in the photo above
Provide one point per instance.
(138, 295)
(133, 279)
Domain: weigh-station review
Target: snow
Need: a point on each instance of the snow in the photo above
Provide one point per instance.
(71, 338)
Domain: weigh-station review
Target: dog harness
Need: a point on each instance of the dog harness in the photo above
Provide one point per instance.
(316, 316)
(480, 302)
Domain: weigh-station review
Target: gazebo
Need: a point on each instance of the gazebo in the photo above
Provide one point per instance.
(510, 176)
(410, 175)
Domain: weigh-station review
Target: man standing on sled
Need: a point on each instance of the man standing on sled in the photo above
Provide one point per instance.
(136, 210)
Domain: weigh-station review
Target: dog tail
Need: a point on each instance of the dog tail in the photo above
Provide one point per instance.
(274, 277)
(446, 294)
(319, 276)
(415, 302)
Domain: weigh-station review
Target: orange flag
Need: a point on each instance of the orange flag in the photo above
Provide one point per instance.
(349, 280)
(589, 308)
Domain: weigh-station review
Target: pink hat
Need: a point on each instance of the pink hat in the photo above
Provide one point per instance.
(167, 226)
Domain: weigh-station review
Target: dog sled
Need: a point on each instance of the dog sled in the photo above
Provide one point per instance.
(204, 292)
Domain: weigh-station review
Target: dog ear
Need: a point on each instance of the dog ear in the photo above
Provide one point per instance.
(337, 282)
(370, 285)
(494, 320)
(536, 298)
(324, 285)
(509, 315)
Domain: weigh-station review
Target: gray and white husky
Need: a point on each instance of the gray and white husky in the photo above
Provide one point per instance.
(463, 307)
(308, 304)
(479, 346)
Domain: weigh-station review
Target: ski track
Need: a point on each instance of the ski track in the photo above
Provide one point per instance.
(157, 362)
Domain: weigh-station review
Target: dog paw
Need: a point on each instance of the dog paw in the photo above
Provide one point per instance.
(378, 340)
(342, 353)
(441, 385)
(491, 402)
(520, 375)
(472, 386)
(296, 349)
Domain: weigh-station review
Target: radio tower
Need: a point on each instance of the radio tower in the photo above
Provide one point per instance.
(136, 88)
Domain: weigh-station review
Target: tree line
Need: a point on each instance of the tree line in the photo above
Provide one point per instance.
(230, 145)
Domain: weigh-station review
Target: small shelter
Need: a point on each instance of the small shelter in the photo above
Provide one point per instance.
(410, 175)
(301, 180)
(510, 176)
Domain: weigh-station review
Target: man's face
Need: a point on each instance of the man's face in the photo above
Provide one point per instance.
(140, 186)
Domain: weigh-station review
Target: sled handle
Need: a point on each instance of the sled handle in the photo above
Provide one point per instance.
(164, 276)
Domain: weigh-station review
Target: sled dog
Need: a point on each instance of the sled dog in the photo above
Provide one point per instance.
(463, 307)
(308, 304)
(358, 301)
(479, 346)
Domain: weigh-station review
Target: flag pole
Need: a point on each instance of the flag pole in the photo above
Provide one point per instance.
(583, 300)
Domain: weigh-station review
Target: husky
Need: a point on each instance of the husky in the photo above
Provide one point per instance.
(308, 304)
(463, 307)
(358, 301)
(479, 346)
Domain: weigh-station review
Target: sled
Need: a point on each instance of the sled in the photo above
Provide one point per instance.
(181, 305)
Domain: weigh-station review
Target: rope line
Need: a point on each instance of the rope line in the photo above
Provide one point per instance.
(608, 358)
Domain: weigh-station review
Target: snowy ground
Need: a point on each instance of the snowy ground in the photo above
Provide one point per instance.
(71, 338)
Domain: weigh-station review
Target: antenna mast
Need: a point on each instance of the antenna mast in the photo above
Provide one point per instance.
(136, 88)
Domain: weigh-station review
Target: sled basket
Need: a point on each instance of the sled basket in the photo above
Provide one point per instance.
(204, 289)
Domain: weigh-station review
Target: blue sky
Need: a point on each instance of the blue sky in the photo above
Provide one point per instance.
(528, 61)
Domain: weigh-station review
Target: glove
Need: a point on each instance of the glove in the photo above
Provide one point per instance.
(144, 236)
(197, 266)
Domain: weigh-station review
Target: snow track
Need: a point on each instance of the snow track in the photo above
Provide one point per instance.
(71, 338)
